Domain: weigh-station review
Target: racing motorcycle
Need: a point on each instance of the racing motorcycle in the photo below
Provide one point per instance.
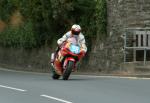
(66, 59)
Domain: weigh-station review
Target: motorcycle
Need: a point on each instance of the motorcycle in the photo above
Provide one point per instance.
(66, 59)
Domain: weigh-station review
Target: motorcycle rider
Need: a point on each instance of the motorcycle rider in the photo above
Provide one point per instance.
(76, 33)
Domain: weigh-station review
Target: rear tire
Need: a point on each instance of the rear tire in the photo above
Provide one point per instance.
(54, 74)
(68, 70)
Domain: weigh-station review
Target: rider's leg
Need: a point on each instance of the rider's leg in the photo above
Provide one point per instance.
(55, 54)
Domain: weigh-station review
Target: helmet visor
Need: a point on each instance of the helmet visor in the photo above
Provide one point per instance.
(75, 32)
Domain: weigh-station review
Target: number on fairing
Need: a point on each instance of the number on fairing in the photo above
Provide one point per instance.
(75, 49)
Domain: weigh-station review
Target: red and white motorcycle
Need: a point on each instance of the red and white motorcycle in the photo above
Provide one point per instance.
(66, 58)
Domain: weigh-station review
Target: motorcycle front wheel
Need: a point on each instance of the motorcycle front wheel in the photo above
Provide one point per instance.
(68, 70)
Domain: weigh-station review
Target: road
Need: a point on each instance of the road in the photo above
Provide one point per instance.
(21, 87)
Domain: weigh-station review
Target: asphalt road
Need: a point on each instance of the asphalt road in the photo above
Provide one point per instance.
(20, 87)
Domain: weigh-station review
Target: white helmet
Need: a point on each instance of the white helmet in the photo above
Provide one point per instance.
(76, 29)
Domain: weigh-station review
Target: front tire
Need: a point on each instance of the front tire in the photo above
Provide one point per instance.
(68, 70)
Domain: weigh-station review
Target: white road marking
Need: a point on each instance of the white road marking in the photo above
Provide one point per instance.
(115, 77)
(12, 88)
(54, 98)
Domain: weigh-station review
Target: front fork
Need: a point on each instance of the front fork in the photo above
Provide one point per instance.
(66, 62)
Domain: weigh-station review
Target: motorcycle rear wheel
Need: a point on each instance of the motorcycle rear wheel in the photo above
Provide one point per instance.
(55, 75)
(68, 70)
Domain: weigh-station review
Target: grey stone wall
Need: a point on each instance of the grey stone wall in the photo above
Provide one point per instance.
(27, 60)
(107, 55)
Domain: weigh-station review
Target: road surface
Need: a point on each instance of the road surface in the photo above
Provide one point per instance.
(21, 87)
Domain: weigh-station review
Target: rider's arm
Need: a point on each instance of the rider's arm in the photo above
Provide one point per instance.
(64, 38)
(82, 43)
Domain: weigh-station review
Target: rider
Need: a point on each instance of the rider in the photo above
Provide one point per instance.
(74, 32)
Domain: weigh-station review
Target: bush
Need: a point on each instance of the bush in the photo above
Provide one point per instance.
(6, 8)
(18, 36)
(49, 19)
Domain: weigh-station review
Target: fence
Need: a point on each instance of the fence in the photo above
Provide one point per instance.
(136, 41)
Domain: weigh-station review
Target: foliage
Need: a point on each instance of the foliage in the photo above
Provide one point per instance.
(18, 37)
(101, 18)
(6, 8)
(49, 19)
(40, 13)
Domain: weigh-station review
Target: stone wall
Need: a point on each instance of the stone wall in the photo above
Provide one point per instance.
(107, 55)
(27, 60)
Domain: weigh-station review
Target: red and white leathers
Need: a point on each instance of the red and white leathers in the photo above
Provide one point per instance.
(80, 39)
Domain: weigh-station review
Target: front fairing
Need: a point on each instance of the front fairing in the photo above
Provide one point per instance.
(75, 49)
